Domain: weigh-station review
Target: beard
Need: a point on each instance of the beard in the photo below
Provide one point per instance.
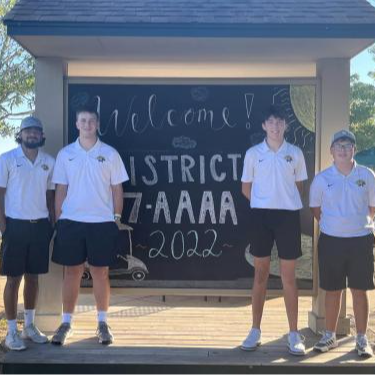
(32, 144)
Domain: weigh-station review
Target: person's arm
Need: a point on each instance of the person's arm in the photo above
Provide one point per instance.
(372, 212)
(316, 211)
(50, 197)
(118, 199)
(2, 210)
(246, 190)
(300, 187)
(60, 195)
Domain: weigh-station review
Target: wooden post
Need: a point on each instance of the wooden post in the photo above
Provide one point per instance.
(333, 108)
(50, 109)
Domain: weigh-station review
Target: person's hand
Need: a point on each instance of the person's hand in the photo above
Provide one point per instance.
(2, 227)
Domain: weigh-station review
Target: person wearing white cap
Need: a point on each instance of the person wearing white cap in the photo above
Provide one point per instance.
(342, 199)
(26, 220)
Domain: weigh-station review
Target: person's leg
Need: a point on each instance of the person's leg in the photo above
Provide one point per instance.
(332, 307)
(261, 274)
(71, 285)
(287, 270)
(13, 340)
(30, 295)
(287, 230)
(30, 291)
(11, 296)
(361, 310)
(101, 287)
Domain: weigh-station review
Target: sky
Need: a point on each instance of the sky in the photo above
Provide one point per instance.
(361, 64)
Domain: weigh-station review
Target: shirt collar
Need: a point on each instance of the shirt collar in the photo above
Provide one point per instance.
(94, 149)
(21, 155)
(265, 148)
(337, 172)
(19, 152)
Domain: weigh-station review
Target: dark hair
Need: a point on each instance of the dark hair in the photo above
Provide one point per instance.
(19, 140)
(88, 109)
(275, 111)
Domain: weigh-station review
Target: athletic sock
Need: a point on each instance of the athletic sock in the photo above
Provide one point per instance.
(12, 325)
(67, 318)
(29, 317)
(102, 316)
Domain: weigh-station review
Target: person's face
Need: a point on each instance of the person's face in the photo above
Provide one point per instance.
(31, 137)
(275, 128)
(343, 151)
(87, 124)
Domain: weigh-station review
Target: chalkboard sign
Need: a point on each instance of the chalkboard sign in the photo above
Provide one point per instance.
(183, 147)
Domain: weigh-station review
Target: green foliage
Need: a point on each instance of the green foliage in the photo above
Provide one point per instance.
(362, 112)
(17, 72)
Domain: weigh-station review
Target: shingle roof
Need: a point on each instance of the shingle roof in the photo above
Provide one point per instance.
(187, 13)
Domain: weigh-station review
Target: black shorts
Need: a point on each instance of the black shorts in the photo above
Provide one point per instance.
(346, 259)
(77, 242)
(25, 247)
(280, 226)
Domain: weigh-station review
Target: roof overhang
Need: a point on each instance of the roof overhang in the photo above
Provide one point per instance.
(186, 42)
(189, 49)
(196, 30)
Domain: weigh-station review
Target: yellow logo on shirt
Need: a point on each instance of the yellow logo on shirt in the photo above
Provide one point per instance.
(361, 183)
(45, 167)
(288, 158)
(100, 159)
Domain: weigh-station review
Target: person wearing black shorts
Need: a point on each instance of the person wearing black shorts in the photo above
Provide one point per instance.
(26, 219)
(89, 201)
(272, 181)
(342, 199)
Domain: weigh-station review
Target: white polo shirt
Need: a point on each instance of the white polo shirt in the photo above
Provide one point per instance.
(26, 184)
(274, 175)
(89, 176)
(344, 201)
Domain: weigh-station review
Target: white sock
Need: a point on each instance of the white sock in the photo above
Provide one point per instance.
(12, 325)
(332, 334)
(102, 316)
(29, 317)
(67, 318)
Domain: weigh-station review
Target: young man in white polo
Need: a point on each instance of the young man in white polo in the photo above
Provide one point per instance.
(26, 220)
(342, 199)
(89, 201)
(272, 182)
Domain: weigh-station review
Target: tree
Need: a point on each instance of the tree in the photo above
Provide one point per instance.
(362, 112)
(17, 72)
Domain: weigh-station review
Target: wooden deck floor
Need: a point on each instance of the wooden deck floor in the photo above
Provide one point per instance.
(189, 331)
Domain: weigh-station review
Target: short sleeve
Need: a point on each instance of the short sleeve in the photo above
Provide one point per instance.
(301, 173)
(371, 188)
(4, 172)
(316, 192)
(50, 184)
(248, 168)
(59, 172)
(118, 171)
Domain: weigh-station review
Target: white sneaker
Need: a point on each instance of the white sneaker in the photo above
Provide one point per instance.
(327, 342)
(363, 347)
(252, 340)
(13, 341)
(296, 344)
(31, 332)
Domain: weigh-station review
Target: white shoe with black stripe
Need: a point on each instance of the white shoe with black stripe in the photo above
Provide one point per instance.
(326, 343)
(363, 347)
